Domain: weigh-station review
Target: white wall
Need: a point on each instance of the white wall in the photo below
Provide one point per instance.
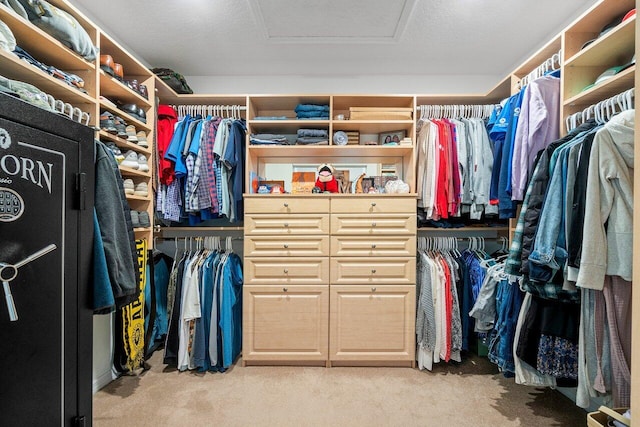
(102, 351)
(337, 84)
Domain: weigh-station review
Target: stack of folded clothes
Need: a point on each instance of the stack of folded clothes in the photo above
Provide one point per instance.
(312, 112)
(268, 139)
(312, 136)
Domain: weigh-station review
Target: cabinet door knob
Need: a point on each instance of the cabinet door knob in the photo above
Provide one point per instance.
(373, 224)
(286, 246)
(286, 205)
(373, 246)
(285, 289)
(373, 289)
(373, 204)
(373, 271)
(286, 224)
(286, 271)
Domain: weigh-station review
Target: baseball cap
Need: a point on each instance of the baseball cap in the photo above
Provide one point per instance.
(610, 72)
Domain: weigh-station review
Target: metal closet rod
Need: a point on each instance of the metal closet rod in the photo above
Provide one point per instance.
(552, 64)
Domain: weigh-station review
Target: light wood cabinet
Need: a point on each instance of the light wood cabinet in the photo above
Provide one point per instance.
(286, 246)
(373, 270)
(285, 323)
(372, 323)
(286, 225)
(331, 240)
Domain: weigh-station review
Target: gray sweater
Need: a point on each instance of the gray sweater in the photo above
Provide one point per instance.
(609, 201)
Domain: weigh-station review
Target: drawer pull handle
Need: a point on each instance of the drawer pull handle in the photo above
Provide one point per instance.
(286, 224)
(373, 224)
(286, 205)
(373, 289)
(373, 271)
(373, 204)
(373, 246)
(286, 246)
(286, 271)
(285, 289)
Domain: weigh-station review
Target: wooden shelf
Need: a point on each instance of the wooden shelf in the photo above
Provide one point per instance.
(133, 172)
(139, 198)
(374, 126)
(123, 143)
(303, 151)
(344, 102)
(128, 118)
(535, 60)
(14, 68)
(132, 68)
(614, 48)
(42, 46)
(609, 87)
(286, 126)
(113, 88)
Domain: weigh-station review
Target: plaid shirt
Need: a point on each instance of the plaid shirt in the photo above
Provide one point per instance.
(201, 190)
(208, 176)
(513, 263)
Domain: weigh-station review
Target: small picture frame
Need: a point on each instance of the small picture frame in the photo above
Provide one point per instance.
(391, 137)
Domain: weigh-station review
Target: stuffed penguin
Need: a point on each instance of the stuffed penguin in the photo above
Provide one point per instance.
(326, 181)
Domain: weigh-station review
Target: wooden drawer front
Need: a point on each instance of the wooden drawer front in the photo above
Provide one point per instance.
(371, 225)
(284, 225)
(366, 271)
(373, 246)
(289, 324)
(284, 205)
(374, 205)
(371, 324)
(286, 271)
(286, 246)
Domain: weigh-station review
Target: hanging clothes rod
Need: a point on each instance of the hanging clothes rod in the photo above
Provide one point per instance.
(602, 111)
(456, 111)
(210, 109)
(552, 64)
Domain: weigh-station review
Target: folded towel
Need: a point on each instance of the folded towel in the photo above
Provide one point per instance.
(313, 132)
(311, 107)
(309, 140)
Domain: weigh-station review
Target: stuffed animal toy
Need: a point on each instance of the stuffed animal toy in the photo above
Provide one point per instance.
(326, 181)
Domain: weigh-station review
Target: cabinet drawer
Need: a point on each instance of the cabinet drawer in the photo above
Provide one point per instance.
(285, 323)
(371, 225)
(283, 225)
(367, 270)
(373, 246)
(374, 205)
(285, 205)
(286, 271)
(372, 323)
(286, 246)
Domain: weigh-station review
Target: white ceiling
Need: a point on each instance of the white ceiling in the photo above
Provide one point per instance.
(333, 37)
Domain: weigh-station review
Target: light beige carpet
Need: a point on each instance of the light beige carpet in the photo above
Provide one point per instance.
(470, 394)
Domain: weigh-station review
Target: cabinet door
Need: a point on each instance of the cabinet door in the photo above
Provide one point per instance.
(373, 205)
(285, 205)
(286, 225)
(373, 225)
(285, 323)
(388, 246)
(372, 323)
(366, 271)
(286, 271)
(307, 246)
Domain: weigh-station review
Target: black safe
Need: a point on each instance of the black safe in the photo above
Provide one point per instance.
(46, 238)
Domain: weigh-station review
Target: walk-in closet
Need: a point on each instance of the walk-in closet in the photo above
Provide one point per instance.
(330, 213)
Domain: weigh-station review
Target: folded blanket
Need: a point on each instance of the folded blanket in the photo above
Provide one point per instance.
(313, 132)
